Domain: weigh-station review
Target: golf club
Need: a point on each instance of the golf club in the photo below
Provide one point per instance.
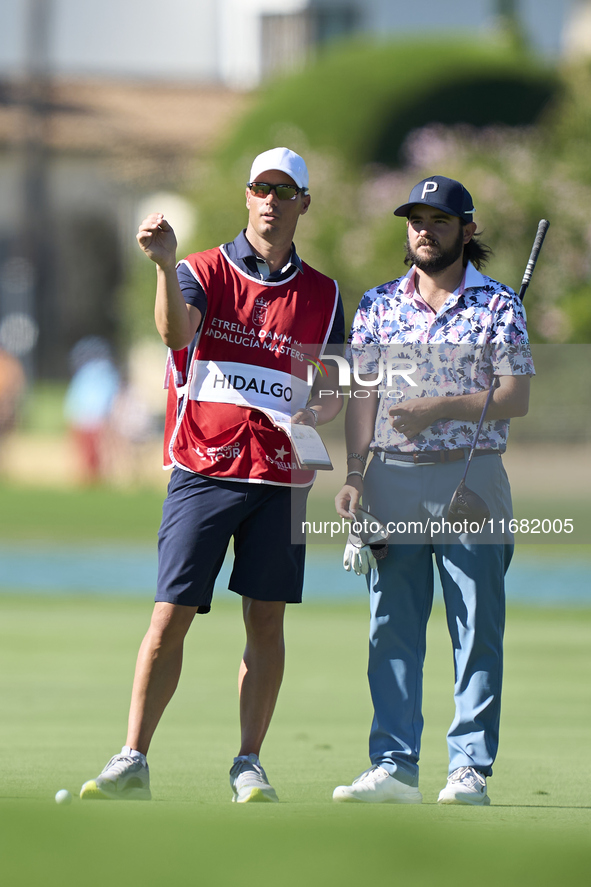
(368, 529)
(466, 505)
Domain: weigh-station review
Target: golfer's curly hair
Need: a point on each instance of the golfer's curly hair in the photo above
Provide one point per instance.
(477, 252)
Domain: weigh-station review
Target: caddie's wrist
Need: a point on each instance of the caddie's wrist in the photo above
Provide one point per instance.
(166, 267)
(313, 412)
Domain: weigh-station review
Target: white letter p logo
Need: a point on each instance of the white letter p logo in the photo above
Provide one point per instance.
(428, 188)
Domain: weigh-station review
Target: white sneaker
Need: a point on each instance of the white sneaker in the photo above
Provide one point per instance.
(376, 786)
(465, 786)
(249, 781)
(125, 778)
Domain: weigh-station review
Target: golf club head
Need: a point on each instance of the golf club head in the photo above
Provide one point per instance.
(466, 505)
(368, 529)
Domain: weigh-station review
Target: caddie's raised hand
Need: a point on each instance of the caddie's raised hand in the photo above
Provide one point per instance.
(360, 559)
(157, 239)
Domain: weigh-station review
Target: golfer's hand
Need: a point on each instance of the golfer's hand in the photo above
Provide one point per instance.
(410, 417)
(157, 239)
(347, 499)
(360, 560)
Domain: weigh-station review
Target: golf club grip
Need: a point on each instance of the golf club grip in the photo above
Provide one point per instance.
(543, 226)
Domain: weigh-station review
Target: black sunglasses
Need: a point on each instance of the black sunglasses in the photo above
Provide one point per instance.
(282, 192)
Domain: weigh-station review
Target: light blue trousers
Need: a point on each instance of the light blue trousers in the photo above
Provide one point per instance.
(401, 596)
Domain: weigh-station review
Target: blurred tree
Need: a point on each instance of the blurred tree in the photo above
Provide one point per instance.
(360, 100)
(372, 121)
(507, 13)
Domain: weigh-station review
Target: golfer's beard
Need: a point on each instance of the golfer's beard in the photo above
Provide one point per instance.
(439, 259)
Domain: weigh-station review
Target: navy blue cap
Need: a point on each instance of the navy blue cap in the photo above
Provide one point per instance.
(442, 193)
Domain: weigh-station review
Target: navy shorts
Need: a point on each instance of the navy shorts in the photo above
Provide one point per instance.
(199, 517)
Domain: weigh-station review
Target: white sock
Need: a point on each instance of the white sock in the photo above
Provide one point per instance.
(245, 758)
(134, 753)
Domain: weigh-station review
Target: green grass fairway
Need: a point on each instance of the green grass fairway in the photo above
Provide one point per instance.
(82, 514)
(65, 672)
(105, 514)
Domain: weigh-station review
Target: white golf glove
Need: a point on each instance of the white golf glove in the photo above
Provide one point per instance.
(360, 559)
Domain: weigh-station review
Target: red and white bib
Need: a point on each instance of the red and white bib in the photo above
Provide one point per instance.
(252, 354)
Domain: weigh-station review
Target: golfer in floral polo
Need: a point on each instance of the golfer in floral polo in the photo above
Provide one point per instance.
(453, 331)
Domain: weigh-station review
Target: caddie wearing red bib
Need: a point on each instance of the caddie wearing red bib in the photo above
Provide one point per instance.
(237, 320)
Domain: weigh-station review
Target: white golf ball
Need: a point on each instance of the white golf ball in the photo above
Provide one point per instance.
(63, 796)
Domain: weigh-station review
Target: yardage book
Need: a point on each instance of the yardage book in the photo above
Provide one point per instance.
(307, 445)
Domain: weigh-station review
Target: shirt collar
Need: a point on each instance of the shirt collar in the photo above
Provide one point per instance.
(473, 279)
(245, 251)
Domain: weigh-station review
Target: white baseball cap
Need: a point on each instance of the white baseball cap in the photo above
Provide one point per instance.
(283, 159)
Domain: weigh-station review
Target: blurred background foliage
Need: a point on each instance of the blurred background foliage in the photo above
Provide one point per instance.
(373, 120)
(361, 99)
(372, 117)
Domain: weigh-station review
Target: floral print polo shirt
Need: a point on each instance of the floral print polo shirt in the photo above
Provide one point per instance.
(478, 333)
